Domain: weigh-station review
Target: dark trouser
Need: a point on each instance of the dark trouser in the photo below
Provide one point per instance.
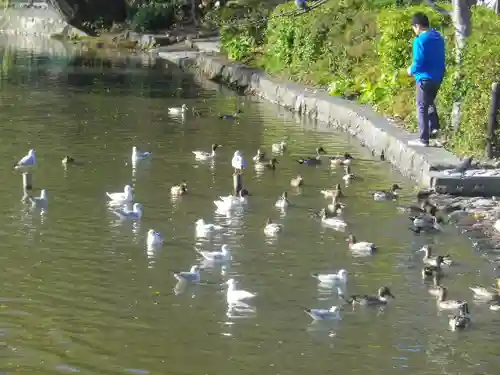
(427, 116)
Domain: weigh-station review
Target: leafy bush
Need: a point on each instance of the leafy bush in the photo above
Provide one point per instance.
(153, 16)
(481, 67)
(322, 45)
(241, 27)
(361, 49)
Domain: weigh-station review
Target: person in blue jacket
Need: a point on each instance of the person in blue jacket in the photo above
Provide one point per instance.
(302, 4)
(428, 68)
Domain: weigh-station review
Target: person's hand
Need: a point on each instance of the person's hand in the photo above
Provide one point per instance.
(409, 70)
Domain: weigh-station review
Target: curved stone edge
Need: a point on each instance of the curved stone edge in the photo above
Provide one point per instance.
(377, 133)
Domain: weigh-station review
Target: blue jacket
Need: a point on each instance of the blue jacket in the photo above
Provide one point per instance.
(428, 57)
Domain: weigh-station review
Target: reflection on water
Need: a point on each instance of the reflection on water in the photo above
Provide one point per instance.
(83, 292)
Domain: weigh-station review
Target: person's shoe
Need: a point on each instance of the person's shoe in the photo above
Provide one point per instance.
(418, 143)
(434, 134)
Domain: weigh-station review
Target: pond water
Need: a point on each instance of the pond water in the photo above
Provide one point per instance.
(82, 294)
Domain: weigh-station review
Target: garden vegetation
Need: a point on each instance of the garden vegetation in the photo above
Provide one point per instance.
(360, 49)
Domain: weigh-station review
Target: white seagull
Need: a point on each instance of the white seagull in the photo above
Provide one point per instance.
(137, 155)
(224, 255)
(154, 239)
(339, 278)
(125, 213)
(192, 276)
(332, 313)
(238, 162)
(236, 296)
(126, 196)
(231, 202)
(178, 110)
(40, 201)
(203, 229)
(27, 161)
(203, 155)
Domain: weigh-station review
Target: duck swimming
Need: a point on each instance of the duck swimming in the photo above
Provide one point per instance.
(271, 229)
(425, 207)
(297, 181)
(180, 189)
(68, 160)
(433, 270)
(354, 245)
(380, 299)
(334, 222)
(279, 147)
(392, 194)
(336, 192)
(433, 260)
(234, 116)
(462, 319)
(266, 164)
(488, 294)
(435, 289)
(259, 156)
(348, 175)
(345, 159)
(283, 201)
(203, 155)
(447, 304)
(335, 208)
(315, 160)
(424, 222)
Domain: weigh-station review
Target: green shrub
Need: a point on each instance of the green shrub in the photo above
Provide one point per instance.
(481, 67)
(323, 45)
(153, 16)
(241, 27)
(361, 49)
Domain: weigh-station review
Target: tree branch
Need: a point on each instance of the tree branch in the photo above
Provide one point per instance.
(437, 8)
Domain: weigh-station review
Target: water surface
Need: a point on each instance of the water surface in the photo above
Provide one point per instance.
(82, 294)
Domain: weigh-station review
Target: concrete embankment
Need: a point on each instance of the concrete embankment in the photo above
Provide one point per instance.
(430, 167)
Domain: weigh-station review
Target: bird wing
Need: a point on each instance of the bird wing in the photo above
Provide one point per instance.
(27, 159)
(115, 196)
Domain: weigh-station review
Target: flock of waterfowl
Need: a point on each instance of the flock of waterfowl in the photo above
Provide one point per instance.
(424, 217)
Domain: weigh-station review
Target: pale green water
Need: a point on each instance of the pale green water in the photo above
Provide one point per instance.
(81, 293)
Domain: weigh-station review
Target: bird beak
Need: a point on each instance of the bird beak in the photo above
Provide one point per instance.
(392, 295)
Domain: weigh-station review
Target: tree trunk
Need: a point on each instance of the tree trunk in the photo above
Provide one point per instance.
(462, 20)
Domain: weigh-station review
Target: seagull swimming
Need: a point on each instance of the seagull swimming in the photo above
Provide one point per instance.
(154, 239)
(339, 278)
(192, 276)
(27, 161)
(137, 155)
(236, 296)
(221, 256)
(178, 110)
(203, 229)
(123, 197)
(134, 214)
(332, 313)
